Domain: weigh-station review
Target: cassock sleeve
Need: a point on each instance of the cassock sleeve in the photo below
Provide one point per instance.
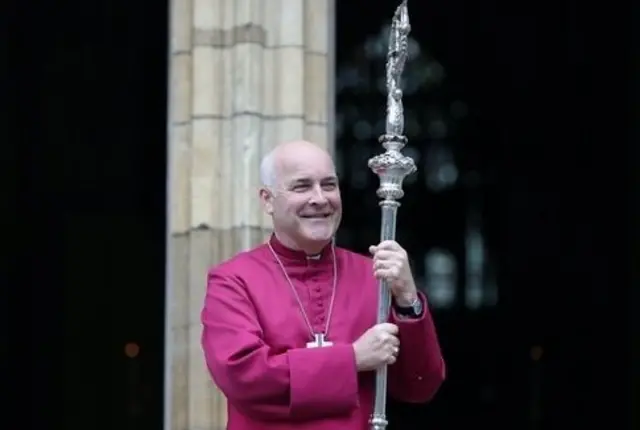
(303, 383)
(420, 370)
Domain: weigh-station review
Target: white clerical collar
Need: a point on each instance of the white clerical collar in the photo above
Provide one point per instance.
(299, 255)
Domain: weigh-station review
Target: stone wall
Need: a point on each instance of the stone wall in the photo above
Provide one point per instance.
(245, 75)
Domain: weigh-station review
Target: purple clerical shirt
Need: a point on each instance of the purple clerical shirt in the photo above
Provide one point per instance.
(254, 338)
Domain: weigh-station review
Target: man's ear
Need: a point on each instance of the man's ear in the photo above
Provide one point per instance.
(266, 197)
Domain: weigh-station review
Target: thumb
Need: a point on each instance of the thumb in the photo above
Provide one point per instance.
(389, 328)
(372, 249)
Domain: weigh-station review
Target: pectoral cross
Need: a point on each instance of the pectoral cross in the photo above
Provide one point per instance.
(319, 341)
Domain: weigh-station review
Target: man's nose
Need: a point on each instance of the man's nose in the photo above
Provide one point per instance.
(318, 196)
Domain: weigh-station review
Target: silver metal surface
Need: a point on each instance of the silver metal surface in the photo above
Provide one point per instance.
(391, 167)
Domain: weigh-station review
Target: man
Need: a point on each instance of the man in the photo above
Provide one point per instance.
(290, 334)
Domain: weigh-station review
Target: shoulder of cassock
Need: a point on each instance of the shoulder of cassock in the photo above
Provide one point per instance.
(259, 258)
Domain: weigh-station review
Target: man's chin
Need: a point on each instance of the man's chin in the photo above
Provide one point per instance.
(318, 235)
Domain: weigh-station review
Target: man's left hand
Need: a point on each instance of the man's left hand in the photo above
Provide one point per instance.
(391, 263)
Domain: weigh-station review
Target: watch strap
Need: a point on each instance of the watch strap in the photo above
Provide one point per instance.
(414, 310)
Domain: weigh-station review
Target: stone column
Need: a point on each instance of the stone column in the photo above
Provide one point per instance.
(245, 75)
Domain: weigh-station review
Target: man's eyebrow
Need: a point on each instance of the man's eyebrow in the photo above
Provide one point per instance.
(304, 180)
(300, 180)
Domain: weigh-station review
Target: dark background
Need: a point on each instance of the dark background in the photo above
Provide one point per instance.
(552, 128)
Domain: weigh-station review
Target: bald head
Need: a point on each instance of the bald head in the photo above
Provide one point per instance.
(300, 192)
(285, 155)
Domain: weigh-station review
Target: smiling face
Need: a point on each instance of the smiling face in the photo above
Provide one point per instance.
(304, 202)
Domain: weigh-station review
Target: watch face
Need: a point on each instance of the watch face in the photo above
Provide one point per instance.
(417, 307)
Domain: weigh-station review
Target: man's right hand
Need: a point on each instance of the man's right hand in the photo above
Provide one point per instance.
(377, 347)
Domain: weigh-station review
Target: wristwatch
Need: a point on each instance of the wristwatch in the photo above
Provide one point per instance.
(414, 310)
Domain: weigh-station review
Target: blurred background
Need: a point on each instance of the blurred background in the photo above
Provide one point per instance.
(521, 219)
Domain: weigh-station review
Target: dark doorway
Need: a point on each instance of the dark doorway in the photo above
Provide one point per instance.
(86, 93)
(517, 217)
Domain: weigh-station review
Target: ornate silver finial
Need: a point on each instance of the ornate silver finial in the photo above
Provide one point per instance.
(392, 167)
(396, 59)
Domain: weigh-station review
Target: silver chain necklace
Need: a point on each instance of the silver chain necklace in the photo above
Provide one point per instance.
(318, 339)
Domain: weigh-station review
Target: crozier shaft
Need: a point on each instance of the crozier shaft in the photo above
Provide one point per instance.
(391, 167)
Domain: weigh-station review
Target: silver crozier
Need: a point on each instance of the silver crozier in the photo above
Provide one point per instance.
(391, 167)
